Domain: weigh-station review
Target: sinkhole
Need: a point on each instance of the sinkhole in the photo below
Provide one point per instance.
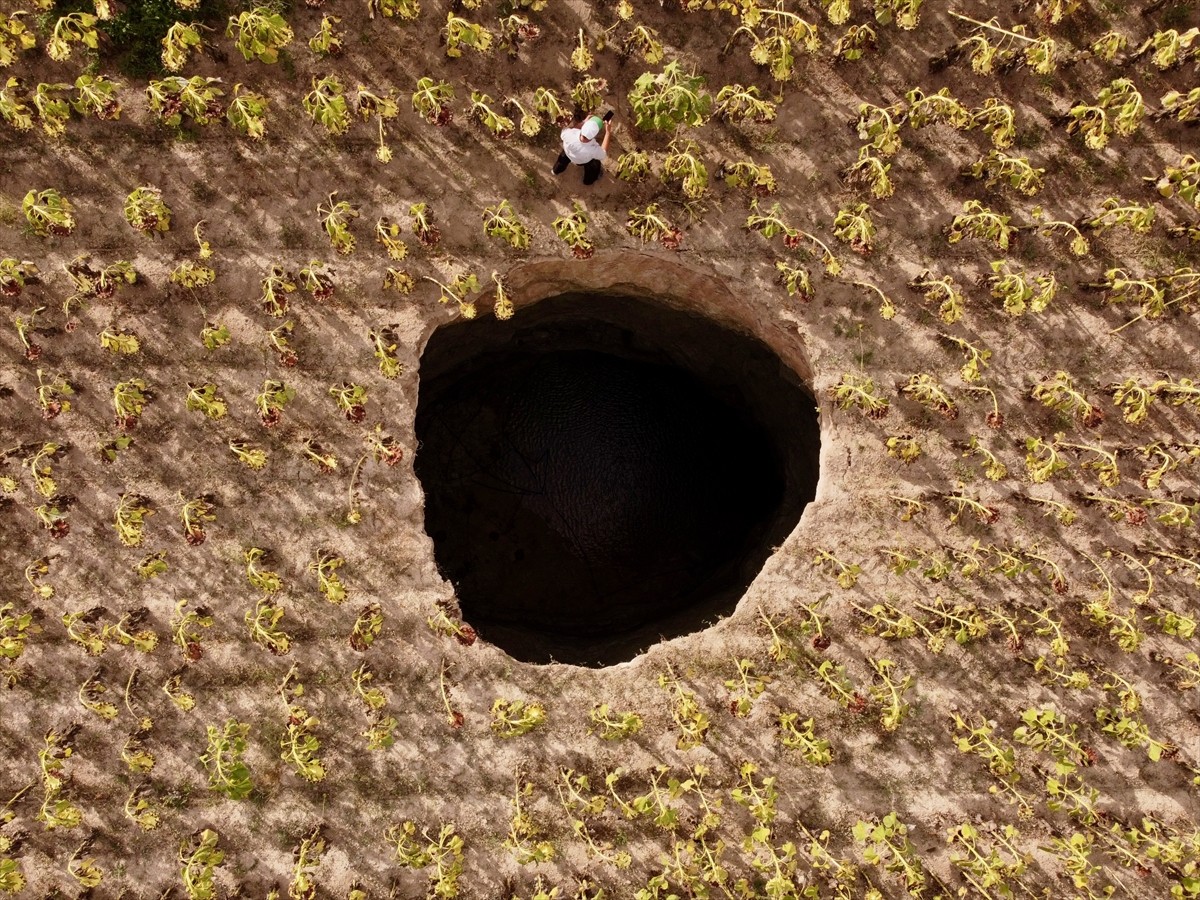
(602, 472)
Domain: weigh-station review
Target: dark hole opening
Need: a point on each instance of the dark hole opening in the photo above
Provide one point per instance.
(604, 472)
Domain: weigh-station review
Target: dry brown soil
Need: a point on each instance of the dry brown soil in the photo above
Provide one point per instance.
(259, 203)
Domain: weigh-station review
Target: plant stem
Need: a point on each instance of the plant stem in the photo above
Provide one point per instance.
(992, 27)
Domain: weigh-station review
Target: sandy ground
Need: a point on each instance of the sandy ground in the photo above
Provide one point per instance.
(259, 206)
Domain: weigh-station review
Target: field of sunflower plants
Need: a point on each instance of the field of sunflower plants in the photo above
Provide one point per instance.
(229, 666)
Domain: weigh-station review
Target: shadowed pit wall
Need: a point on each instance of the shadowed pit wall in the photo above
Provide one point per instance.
(602, 472)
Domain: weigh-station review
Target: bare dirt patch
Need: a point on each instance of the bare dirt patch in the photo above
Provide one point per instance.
(1051, 615)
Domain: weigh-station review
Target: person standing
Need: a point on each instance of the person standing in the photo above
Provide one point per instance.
(582, 145)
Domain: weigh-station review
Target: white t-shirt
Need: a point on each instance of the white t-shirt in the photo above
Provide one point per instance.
(579, 152)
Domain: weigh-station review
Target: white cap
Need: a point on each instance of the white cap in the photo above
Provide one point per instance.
(590, 128)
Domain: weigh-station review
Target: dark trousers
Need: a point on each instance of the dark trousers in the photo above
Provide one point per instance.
(591, 168)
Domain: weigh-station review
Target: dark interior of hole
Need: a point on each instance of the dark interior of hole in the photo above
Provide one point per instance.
(604, 472)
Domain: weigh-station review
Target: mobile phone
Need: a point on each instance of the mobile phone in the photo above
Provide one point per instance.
(608, 115)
